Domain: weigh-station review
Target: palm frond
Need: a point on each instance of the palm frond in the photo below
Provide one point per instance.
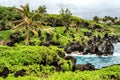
(37, 25)
(19, 25)
(35, 32)
(27, 20)
(36, 14)
(17, 21)
(40, 22)
(25, 9)
(20, 11)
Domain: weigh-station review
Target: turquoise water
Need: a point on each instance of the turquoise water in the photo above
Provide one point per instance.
(100, 62)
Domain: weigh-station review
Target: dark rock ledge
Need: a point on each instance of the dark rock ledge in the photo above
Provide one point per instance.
(96, 45)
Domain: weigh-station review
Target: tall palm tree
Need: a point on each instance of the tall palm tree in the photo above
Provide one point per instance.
(26, 21)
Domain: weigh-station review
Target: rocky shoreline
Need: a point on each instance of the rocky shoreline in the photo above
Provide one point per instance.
(96, 45)
(83, 67)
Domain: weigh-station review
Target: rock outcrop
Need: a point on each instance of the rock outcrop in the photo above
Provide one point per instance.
(96, 45)
(74, 46)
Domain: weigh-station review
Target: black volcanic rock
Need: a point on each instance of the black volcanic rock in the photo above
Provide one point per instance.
(83, 67)
(74, 46)
(96, 45)
(20, 73)
(5, 72)
(105, 48)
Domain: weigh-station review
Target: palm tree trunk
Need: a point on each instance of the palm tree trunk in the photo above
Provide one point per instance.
(27, 35)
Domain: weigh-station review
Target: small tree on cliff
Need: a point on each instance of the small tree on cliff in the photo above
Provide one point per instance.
(41, 9)
(96, 19)
(65, 16)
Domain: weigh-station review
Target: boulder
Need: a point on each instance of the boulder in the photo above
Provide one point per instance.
(83, 67)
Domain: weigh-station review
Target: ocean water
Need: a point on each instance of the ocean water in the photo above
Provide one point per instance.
(102, 61)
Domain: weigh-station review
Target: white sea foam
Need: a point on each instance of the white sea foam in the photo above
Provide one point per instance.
(116, 49)
(93, 55)
(89, 55)
(115, 54)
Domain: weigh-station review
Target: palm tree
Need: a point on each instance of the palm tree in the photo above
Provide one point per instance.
(26, 21)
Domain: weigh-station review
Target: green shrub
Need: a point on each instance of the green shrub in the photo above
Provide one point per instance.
(66, 65)
(103, 74)
(4, 35)
(23, 78)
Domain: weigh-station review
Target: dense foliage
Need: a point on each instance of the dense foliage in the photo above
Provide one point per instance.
(111, 73)
(44, 56)
(32, 60)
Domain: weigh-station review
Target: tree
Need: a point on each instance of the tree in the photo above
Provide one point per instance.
(66, 15)
(42, 10)
(52, 19)
(26, 21)
(7, 15)
(96, 19)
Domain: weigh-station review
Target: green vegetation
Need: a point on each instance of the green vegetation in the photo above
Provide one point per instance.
(42, 59)
(26, 22)
(4, 35)
(116, 30)
(110, 73)
(32, 59)
(17, 56)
